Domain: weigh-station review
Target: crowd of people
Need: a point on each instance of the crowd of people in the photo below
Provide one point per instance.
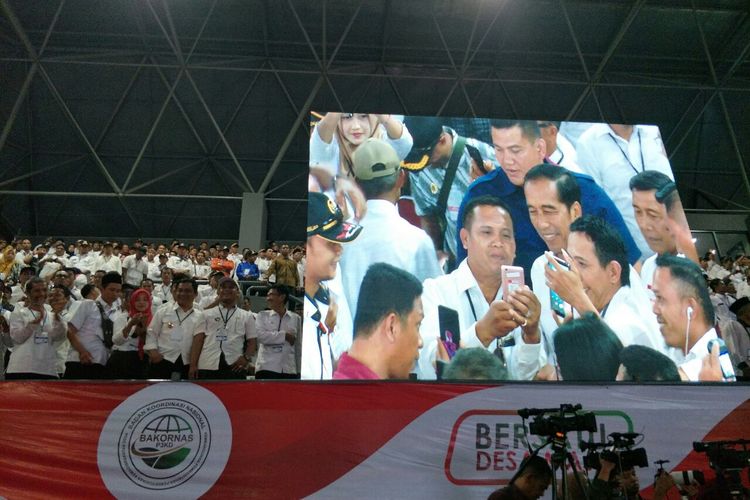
(427, 220)
(110, 310)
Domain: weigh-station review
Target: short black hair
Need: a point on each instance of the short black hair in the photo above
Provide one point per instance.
(86, 290)
(648, 180)
(529, 128)
(385, 289)
(372, 188)
(568, 191)
(647, 365)
(475, 363)
(111, 277)
(281, 290)
(193, 283)
(608, 244)
(587, 350)
(536, 466)
(692, 284)
(64, 289)
(490, 200)
(33, 281)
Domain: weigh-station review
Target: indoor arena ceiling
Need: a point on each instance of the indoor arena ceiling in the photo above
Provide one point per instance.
(151, 118)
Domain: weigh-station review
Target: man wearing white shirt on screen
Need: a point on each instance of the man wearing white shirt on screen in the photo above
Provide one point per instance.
(278, 333)
(135, 267)
(487, 319)
(684, 311)
(386, 237)
(612, 154)
(107, 261)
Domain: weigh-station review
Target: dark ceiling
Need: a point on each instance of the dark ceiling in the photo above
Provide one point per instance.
(151, 118)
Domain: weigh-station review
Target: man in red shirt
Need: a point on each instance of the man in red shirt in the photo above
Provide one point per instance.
(386, 326)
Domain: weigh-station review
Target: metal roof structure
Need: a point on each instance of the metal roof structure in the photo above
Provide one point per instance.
(150, 118)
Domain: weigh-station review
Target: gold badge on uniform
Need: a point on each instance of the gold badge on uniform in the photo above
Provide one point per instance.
(434, 188)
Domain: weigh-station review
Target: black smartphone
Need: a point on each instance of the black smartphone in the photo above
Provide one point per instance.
(477, 157)
(450, 330)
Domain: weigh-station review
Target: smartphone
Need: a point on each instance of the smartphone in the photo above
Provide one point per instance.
(512, 278)
(450, 330)
(474, 154)
(727, 371)
(556, 303)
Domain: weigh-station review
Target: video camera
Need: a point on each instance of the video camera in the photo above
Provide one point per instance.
(619, 450)
(724, 455)
(552, 421)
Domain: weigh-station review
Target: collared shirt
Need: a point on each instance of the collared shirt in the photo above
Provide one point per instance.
(274, 352)
(201, 271)
(171, 331)
(163, 292)
(426, 185)
(84, 262)
(351, 369)
(529, 245)
(247, 271)
(630, 316)
(181, 265)
(317, 350)
(565, 155)
(285, 270)
(134, 269)
(226, 331)
(88, 321)
(34, 348)
(121, 341)
(612, 162)
(111, 263)
(388, 238)
(694, 359)
(460, 291)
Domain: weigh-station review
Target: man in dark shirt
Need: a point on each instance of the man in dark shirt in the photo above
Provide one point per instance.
(534, 479)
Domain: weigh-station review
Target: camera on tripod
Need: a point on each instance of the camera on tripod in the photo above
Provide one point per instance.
(552, 421)
(619, 450)
(728, 459)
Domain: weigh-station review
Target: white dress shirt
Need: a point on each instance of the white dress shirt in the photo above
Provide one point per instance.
(108, 263)
(612, 162)
(182, 265)
(120, 341)
(88, 321)
(630, 316)
(171, 332)
(135, 269)
(317, 347)
(163, 292)
(460, 291)
(34, 344)
(386, 237)
(565, 155)
(274, 352)
(226, 331)
(693, 361)
(84, 262)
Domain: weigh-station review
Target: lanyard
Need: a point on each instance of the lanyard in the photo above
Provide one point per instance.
(321, 329)
(627, 158)
(225, 320)
(180, 320)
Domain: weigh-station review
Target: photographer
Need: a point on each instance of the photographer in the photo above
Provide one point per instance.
(609, 483)
(531, 483)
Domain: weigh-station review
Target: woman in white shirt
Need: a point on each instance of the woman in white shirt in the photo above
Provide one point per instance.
(129, 334)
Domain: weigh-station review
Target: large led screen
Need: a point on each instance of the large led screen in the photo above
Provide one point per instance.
(466, 249)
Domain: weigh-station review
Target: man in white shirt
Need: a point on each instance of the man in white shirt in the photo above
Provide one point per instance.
(326, 232)
(386, 237)
(612, 154)
(107, 261)
(277, 331)
(53, 262)
(171, 332)
(135, 267)
(24, 255)
(181, 263)
(163, 290)
(18, 291)
(36, 330)
(234, 254)
(684, 312)
(558, 148)
(507, 326)
(85, 260)
(201, 270)
(90, 332)
(218, 353)
(599, 282)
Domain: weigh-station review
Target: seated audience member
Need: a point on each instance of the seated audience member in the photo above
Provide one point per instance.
(35, 328)
(587, 350)
(220, 352)
(442, 169)
(508, 326)
(129, 336)
(639, 363)
(386, 237)
(277, 332)
(599, 282)
(247, 269)
(171, 331)
(90, 332)
(519, 147)
(386, 326)
(530, 483)
(326, 232)
(90, 292)
(684, 312)
(474, 363)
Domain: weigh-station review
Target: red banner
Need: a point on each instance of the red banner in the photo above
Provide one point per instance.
(291, 440)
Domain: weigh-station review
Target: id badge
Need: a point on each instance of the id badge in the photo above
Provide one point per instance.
(276, 348)
(176, 334)
(222, 335)
(41, 338)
